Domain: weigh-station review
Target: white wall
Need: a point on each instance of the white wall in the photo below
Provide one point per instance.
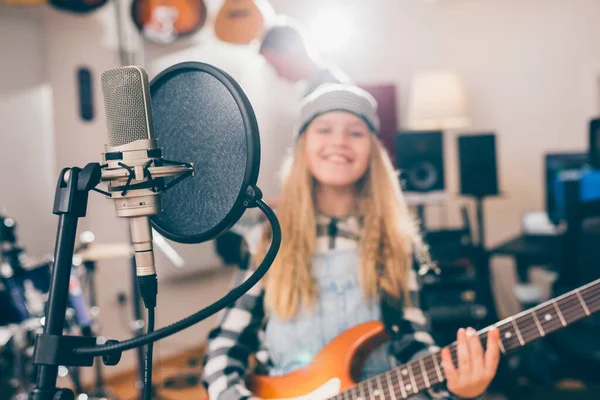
(27, 156)
(531, 69)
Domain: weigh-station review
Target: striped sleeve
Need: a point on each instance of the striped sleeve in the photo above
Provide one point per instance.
(230, 344)
(413, 336)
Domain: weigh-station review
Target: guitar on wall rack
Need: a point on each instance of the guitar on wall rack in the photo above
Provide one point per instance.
(73, 6)
(77, 6)
(333, 372)
(165, 21)
(241, 21)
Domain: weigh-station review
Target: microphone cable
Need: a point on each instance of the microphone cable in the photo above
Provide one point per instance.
(148, 361)
(201, 315)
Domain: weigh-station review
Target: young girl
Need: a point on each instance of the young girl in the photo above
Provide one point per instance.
(348, 243)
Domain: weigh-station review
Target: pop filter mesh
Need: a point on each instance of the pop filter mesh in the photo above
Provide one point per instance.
(197, 120)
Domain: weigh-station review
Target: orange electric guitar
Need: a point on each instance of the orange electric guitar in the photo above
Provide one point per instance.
(240, 21)
(165, 21)
(333, 372)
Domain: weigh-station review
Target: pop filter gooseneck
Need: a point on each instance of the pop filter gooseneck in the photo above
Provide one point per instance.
(208, 311)
(202, 116)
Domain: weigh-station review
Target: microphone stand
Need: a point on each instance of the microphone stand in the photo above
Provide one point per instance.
(51, 347)
(137, 325)
(100, 391)
(482, 262)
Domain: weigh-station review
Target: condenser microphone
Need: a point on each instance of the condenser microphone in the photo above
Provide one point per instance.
(131, 143)
(134, 168)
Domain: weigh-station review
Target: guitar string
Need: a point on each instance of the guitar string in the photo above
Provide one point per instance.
(429, 359)
(550, 326)
(526, 334)
(569, 304)
(570, 307)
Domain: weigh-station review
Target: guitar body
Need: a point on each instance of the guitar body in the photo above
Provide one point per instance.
(332, 371)
(239, 21)
(165, 21)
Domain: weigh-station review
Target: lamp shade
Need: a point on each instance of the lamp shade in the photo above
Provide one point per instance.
(438, 100)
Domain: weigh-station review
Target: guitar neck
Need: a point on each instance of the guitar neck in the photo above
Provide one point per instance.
(515, 332)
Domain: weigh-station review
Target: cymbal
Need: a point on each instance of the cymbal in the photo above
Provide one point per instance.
(105, 251)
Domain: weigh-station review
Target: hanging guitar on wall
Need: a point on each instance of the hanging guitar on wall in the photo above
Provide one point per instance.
(24, 2)
(165, 21)
(240, 21)
(73, 6)
(77, 6)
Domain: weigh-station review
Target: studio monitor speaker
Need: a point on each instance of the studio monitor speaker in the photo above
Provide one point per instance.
(477, 160)
(420, 159)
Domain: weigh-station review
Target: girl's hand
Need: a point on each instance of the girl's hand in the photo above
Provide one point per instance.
(475, 369)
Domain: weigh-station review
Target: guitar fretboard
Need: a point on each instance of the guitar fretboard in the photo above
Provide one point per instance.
(515, 332)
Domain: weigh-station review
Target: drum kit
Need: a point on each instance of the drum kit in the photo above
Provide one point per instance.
(24, 286)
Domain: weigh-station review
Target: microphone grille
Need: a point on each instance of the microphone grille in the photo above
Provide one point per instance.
(127, 105)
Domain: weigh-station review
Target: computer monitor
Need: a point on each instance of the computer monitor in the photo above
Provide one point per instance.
(555, 163)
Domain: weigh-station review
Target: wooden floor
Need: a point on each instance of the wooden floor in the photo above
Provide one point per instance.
(176, 377)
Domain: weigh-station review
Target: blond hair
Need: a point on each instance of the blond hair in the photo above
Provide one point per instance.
(388, 237)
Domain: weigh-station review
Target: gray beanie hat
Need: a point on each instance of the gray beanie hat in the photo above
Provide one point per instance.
(339, 97)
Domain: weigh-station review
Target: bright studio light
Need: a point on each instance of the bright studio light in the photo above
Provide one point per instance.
(331, 29)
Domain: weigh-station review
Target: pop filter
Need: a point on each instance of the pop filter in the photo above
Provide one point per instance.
(202, 116)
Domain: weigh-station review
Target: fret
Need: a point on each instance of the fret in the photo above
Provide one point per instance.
(585, 308)
(379, 386)
(518, 332)
(401, 380)
(589, 294)
(437, 367)
(571, 308)
(507, 336)
(537, 323)
(415, 368)
(412, 379)
(391, 386)
(562, 320)
(501, 345)
(424, 373)
(547, 317)
(429, 370)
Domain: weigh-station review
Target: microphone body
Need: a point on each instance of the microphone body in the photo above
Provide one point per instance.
(130, 152)
(137, 202)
